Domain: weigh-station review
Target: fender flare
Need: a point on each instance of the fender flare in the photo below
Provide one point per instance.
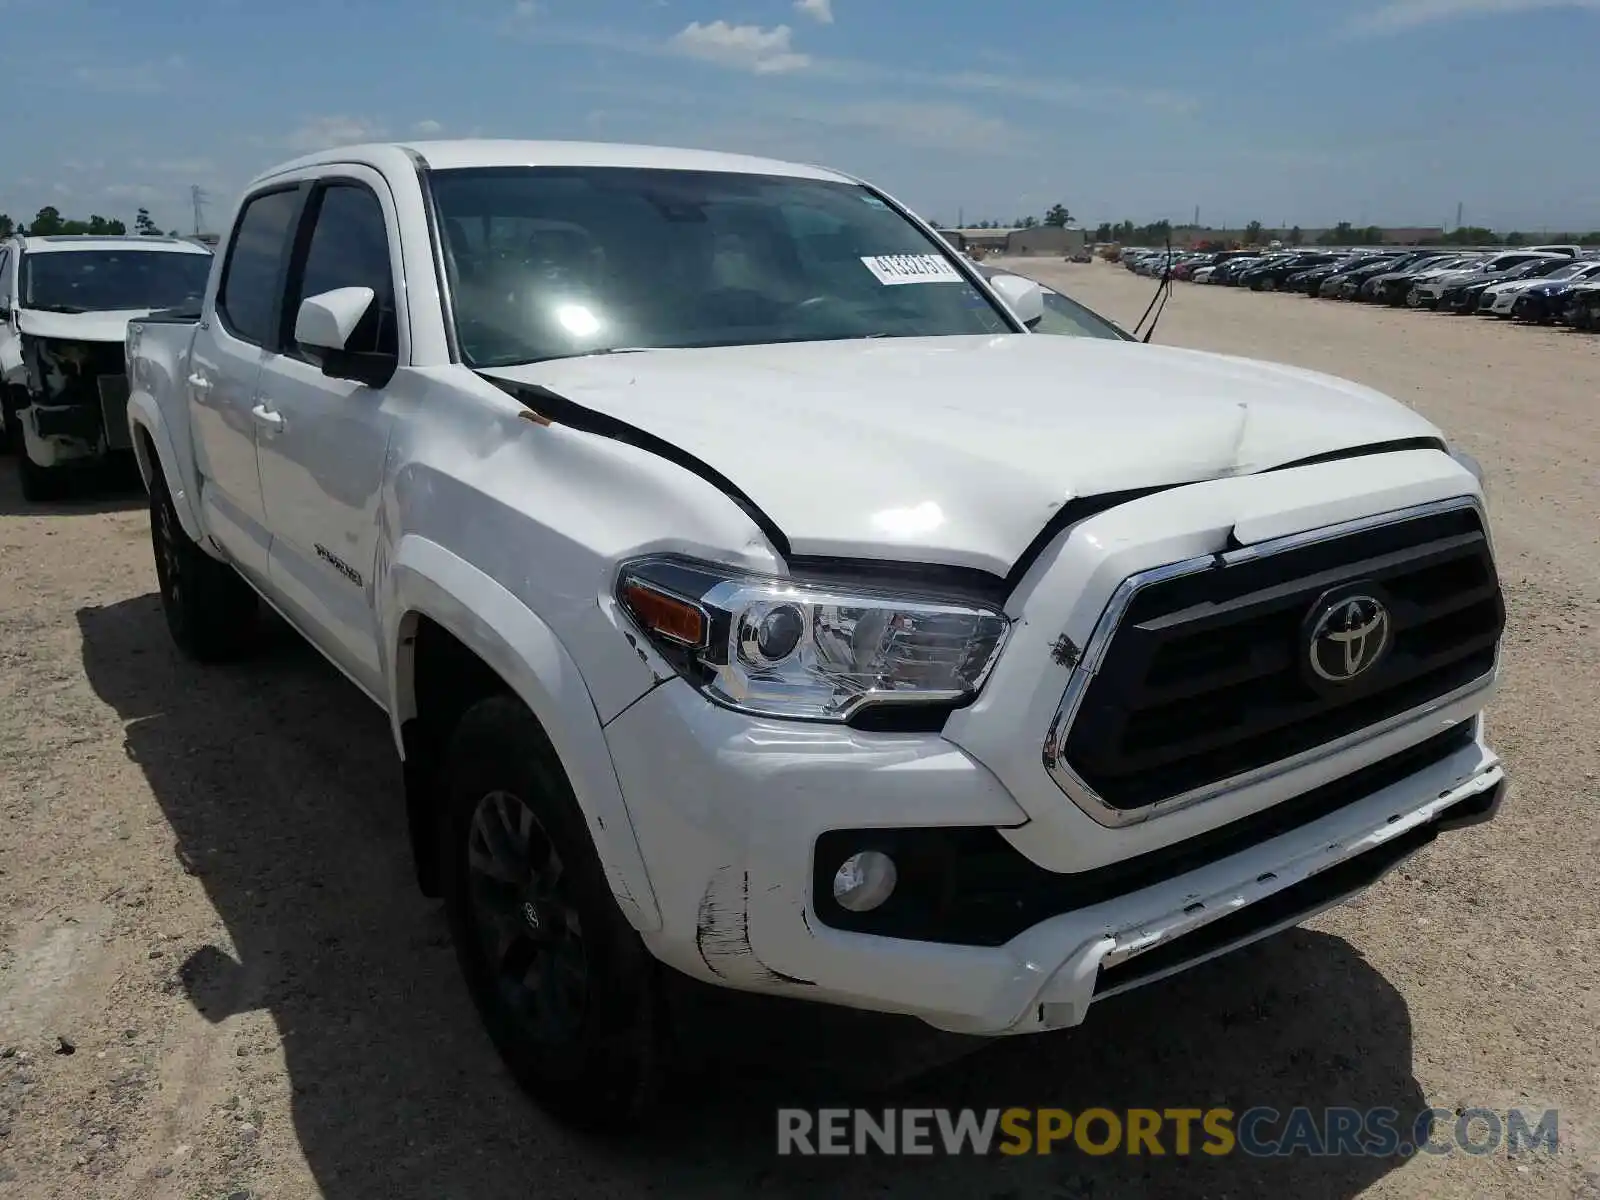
(144, 416)
(426, 580)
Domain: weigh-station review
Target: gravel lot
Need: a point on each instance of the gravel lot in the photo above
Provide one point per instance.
(217, 979)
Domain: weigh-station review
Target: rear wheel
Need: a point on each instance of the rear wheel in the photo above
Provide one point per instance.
(211, 612)
(569, 994)
(39, 484)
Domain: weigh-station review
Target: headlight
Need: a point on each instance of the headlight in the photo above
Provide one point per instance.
(811, 651)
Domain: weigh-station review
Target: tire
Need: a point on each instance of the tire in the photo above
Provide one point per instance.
(211, 612)
(40, 485)
(11, 435)
(527, 900)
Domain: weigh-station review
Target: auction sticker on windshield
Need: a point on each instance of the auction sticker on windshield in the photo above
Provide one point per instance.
(893, 269)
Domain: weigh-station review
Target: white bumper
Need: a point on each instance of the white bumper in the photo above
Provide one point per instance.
(742, 821)
(728, 810)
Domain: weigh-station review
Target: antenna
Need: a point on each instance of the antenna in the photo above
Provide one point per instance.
(198, 198)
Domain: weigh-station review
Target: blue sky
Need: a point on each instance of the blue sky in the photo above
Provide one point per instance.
(1283, 111)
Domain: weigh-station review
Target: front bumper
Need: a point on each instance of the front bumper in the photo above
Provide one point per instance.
(730, 811)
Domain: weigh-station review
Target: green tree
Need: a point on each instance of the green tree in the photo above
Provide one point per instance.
(1296, 236)
(1027, 222)
(1058, 216)
(1103, 233)
(1252, 233)
(1472, 235)
(144, 226)
(1515, 238)
(7, 225)
(46, 221)
(1342, 234)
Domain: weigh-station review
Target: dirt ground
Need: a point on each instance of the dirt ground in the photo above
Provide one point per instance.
(218, 980)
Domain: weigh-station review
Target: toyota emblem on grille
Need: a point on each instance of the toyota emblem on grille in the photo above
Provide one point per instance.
(1348, 638)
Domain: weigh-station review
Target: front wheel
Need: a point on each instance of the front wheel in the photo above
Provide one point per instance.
(568, 992)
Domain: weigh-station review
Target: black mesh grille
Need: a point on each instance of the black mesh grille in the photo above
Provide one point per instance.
(1206, 677)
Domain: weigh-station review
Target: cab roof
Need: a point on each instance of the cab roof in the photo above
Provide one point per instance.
(56, 243)
(506, 152)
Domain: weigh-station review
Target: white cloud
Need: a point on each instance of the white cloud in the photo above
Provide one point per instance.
(932, 126)
(134, 79)
(742, 47)
(817, 10)
(322, 133)
(134, 191)
(427, 128)
(189, 168)
(1400, 15)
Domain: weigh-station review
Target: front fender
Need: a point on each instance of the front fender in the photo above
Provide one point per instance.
(144, 416)
(425, 579)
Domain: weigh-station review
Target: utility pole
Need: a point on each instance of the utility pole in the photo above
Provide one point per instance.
(1197, 216)
(198, 198)
(1458, 214)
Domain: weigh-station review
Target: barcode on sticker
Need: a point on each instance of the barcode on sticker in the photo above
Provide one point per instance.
(911, 268)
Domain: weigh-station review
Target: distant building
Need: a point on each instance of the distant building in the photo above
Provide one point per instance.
(983, 239)
(1037, 240)
(1186, 238)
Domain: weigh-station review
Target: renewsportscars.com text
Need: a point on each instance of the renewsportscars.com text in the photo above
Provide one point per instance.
(1257, 1132)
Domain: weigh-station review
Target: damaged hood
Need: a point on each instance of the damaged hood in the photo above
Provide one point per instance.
(959, 449)
(80, 327)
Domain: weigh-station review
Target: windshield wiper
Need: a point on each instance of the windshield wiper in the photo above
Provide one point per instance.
(55, 308)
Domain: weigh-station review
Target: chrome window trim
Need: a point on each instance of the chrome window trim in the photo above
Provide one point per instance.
(1108, 815)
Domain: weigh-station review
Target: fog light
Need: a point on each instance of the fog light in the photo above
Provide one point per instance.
(864, 881)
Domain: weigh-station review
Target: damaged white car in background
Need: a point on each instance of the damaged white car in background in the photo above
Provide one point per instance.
(65, 302)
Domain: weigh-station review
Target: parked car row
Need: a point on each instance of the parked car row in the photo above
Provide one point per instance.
(1539, 284)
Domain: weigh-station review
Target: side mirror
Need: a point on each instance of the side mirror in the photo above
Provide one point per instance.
(1024, 296)
(328, 321)
(335, 328)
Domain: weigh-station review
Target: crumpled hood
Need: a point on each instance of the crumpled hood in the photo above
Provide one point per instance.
(959, 449)
(81, 327)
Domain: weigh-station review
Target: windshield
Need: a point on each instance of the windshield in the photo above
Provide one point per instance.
(110, 280)
(551, 262)
(1572, 271)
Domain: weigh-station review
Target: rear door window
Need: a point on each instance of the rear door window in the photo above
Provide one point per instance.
(252, 281)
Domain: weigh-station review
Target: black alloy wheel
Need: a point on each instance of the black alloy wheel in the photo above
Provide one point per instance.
(528, 929)
(567, 991)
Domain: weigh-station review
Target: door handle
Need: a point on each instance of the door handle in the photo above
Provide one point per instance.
(200, 383)
(264, 415)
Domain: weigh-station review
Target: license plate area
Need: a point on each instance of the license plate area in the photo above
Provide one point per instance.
(114, 411)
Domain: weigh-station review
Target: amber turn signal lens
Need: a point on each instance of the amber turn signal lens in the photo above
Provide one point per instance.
(665, 615)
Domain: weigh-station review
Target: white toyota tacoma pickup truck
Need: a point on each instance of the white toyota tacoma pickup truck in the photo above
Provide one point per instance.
(754, 595)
